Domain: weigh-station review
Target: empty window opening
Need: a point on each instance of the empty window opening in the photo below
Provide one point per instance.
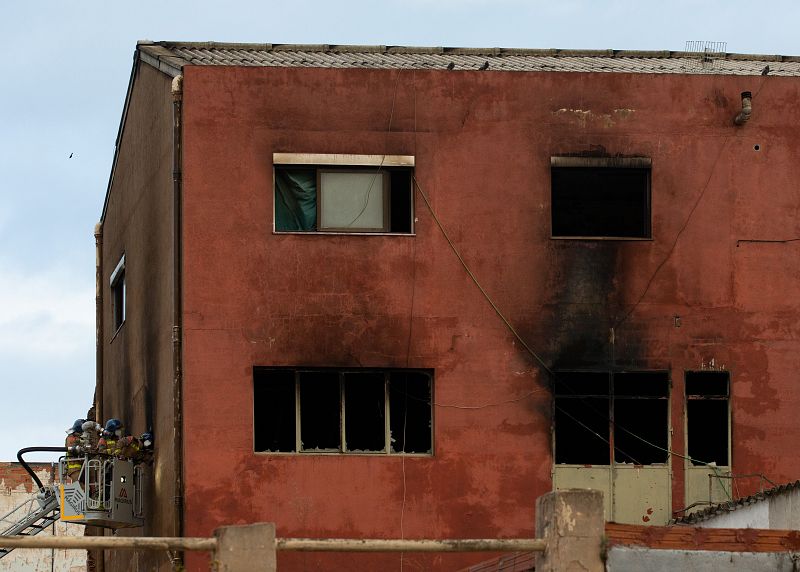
(600, 416)
(311, 198)
(410, 412)
(332, 410)
(365, 411)
(596, 198)
(118, 294)
(319, 411)
(582, 431)
(274, 399)
(708, 417)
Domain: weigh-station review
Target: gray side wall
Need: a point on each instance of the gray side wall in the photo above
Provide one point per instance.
(639, 559)
(137, 367)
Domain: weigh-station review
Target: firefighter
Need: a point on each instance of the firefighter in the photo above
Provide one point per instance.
(128, 447)
(146, 452)
(74, 452)
(90, 437)
(111, 435)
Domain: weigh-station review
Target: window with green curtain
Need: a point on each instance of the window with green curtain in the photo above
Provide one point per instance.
(295, 199)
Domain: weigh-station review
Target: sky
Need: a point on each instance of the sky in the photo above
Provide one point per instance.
(64, 69)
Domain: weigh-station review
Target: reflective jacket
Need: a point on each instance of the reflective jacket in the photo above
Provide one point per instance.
(74, 460)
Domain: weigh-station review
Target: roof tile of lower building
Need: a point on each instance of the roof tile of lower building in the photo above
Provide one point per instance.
(732, 505)
(174, 55)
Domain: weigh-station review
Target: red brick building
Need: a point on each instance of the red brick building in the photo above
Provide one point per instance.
(402, 292)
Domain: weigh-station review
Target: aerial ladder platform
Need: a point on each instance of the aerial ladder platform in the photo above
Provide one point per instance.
(108, 493)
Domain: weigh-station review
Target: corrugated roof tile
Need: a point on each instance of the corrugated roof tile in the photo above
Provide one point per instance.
(500, 59)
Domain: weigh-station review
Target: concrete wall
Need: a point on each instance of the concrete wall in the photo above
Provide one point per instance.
(784, 510)
(752, 516)
(483, 143)
(777, 512)
(137, 366)
(16, 486)
(636, 559)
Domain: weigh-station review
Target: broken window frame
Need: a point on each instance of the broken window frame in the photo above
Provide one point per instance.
(326, 163)
(696, 395)
(643, 164)
(342, 431)
(119, 295)
(613, 429)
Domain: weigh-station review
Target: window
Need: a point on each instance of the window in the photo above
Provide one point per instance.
(343, 193)
(611, 417)
(298, 410)
(118, 294)
(600, 198)
(707, 419)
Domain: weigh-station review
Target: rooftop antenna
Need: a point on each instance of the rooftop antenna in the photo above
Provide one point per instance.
(705, 53)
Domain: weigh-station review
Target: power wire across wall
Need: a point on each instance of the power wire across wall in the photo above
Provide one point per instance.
(525, 344)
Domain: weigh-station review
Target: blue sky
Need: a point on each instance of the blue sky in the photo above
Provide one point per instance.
(65, 67)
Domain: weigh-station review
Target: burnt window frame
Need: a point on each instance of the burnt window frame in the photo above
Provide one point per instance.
(612, 396)
(321, 163)
(119, 296)
(697, 396)
(602, 163)
(342, 448)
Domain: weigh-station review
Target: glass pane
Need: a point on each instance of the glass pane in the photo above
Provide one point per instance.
(295, 199)
(352, 200)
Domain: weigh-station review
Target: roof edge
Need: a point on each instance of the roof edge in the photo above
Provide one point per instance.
(164, 51)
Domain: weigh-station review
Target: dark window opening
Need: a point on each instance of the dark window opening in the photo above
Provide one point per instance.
(600, 202)
(343, 199)
(365, 411)
(641, 431)
(707, 383)
(273, 397)
(118, 294)
(319, 411)
(707, 417)
(309, 410)
(582, 383)
(582, 431)
(409, 412)
(597, 412)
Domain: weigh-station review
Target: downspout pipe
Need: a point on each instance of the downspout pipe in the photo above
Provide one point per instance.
(177, 308)
(747, 109)
(98, 317)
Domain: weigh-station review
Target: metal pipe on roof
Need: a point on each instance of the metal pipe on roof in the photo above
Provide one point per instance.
(747, 109)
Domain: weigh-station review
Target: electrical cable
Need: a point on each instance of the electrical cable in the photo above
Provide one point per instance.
(516, 334)
(475, 279)
(593, 432)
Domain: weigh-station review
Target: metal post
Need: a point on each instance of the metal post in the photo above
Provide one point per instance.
(248, 548)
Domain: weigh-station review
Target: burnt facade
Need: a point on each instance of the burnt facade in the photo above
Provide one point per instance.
(530, 262)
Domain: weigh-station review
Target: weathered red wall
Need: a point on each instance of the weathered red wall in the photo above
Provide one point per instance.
(483, 143)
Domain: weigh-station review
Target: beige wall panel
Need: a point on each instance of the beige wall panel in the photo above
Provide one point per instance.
(642, 495)
(596, 478)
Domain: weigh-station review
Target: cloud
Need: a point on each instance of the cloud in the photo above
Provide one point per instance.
(46, 313)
